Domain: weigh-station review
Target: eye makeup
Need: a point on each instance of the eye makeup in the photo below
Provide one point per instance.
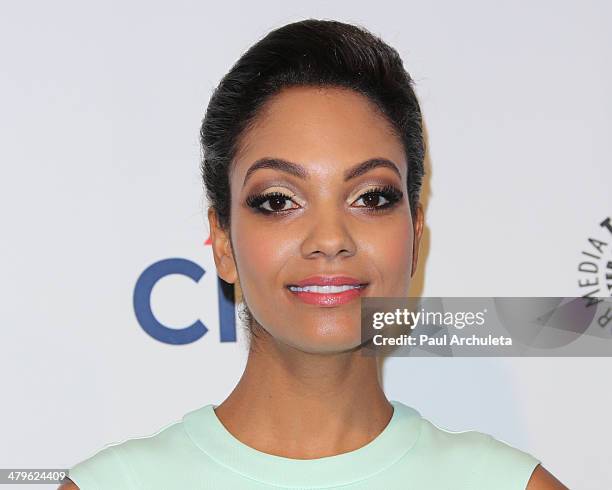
(274, 203)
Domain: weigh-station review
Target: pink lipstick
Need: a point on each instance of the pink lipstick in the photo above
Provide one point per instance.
(327, 290)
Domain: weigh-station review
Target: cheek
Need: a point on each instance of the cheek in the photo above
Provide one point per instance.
(390, 250)
(261, 250)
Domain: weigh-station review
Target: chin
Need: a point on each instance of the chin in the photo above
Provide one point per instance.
(332, 340)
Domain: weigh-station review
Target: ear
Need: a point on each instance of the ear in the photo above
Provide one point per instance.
(418, 233)
(222, 249)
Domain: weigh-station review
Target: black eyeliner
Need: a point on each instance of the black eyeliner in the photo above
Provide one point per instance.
(389, 192)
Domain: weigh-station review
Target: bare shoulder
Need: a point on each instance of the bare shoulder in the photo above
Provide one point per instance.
(542, 479)
(68, 485)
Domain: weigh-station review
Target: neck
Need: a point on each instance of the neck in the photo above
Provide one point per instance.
(302, 405)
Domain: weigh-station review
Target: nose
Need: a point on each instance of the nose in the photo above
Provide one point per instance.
(328, 236)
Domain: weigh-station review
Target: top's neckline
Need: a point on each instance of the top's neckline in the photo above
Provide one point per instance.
(396, 439)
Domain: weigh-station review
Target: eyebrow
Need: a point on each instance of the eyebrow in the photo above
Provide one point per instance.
(298, 170)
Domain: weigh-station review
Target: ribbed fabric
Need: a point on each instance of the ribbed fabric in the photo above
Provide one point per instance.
(410, 453)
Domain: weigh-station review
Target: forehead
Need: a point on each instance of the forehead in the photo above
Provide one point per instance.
(324, 129)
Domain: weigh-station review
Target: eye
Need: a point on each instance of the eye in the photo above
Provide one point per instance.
(371, 199)
(270, 203)
(276, 202)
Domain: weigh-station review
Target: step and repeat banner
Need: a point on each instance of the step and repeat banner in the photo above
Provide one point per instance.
(113, 319)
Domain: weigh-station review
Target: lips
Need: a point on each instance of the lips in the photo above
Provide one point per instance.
(325, 297)
(329, 281)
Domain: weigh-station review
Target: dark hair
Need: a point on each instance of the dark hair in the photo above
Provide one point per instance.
(311, 52)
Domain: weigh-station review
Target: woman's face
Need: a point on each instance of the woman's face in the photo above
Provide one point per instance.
(318, 222)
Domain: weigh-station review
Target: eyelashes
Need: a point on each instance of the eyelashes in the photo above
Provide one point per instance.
(276, 201)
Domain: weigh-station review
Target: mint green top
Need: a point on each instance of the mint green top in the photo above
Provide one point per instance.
(410, 453)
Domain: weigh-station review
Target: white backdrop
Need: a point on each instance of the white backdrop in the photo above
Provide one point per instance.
(101, 106)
